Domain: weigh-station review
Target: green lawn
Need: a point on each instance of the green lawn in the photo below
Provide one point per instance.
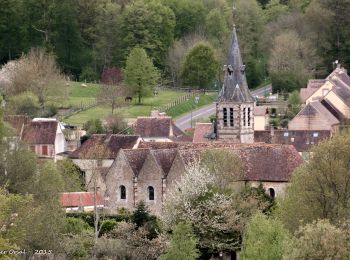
(187, 106)
(84, 95)
(132, 110)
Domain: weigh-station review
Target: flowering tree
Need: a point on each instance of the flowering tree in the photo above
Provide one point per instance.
(218, 217)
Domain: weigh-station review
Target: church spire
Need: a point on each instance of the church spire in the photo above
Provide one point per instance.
(235, 88)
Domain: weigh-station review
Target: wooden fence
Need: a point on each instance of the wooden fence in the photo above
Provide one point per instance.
(72, 111)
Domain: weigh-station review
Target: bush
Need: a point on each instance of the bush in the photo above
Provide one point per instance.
(107, 226)
(94, 126)
(88, 74)
(24, 103)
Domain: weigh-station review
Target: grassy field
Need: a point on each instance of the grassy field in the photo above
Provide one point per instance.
(78, 95)
(187, 106)
(130, 111)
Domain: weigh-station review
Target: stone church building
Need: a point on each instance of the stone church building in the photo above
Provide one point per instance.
(235, 104)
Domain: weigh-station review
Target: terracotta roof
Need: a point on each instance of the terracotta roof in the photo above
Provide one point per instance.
(136, 158)
(201, 132)
(40, 132)
(17, 122)
(111, 143)
(80, 199)
(165, 158)
(153, 126)
(302, 140)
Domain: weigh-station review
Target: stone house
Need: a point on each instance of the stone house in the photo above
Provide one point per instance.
(96, 155)
(333, 93)
(314, 116)
(45, 137)
(148, 174)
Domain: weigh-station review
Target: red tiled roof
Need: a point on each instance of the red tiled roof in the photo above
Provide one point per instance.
(40, 132)
(80, 199)
(157, 127)
(110, 143)
(201, 131)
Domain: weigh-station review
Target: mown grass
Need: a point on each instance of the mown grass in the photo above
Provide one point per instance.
(190, 104)
(131, 110)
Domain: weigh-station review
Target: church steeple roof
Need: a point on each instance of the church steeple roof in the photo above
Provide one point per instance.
(235, 88)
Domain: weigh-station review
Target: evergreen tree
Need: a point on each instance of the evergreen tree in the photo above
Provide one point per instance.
(200, 66)
(141, 214)
(183, 244)
(140, 74)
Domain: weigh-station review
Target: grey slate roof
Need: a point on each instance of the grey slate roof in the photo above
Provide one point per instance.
(235, 88)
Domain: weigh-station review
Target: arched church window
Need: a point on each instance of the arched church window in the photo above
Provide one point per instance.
(272, 192)
(225, 116)
(150, 193)
(231, 116)
(122, 190)
(248, 116)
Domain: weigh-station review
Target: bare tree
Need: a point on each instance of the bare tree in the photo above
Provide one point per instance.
(37, 72)
(94, 158)
(111, 95)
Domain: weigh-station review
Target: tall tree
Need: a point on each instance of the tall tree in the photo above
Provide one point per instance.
(264, 238)
(106, 50)
(200, 66)
(190, 15)
(319, 240)
(140, 74)
(319, 188)
(148, 25)
(182, 244)
(66, 38)
(11, 30)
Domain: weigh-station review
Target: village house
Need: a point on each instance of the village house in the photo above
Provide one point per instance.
(45, 137)
(96, 155)
(327, 103)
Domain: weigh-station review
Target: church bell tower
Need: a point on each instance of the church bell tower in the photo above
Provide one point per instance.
(235, 104)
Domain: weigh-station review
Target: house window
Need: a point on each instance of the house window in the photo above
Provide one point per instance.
(32, 148)
(244, 117)
(225, 116)
(150, 193)
(248, 116)
(272, 193)
(231, 116)
(315, 134)
(44, 150)
(285, 134)
(122, 190)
